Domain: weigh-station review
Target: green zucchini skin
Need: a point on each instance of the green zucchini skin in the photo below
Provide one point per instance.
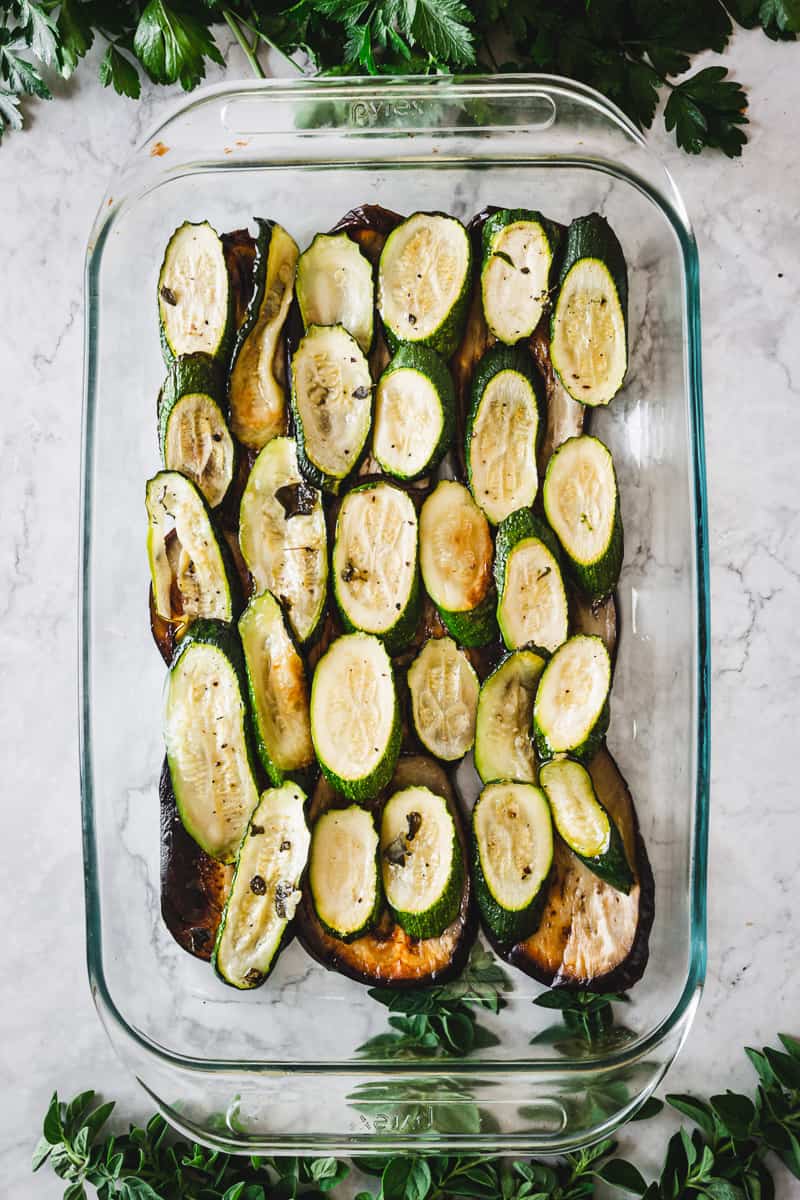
(222, 350)
(404, 627)
(518, 527)
(475, 628)
(445, 338)
(612, 864)
(503, 358)
(190, 375)
(591, 237)
(430, 364)
(585, 751)
(598, 579)
(493, 227)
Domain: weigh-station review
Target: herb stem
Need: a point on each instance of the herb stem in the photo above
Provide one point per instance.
(259, 35)
(233, 24)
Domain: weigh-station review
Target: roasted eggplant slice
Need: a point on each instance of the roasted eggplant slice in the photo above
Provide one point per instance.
(239, 248)
(388, 956)
(597, 618)
(194, 886)
(591, 935)
(565, 416)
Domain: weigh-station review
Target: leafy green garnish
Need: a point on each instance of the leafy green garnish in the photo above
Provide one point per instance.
(631, 50)
(724, 1158)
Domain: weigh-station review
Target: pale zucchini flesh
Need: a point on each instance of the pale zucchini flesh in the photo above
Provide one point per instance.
(423, 282)
(197, 443)
(584, 824)
(503, 727)
(257, 383)
(515, 279)
(265, 890)
(533, 603)
(581, 501)
(286, 554)
(332, 404)
(502, 446)
(354, 716)
(444, 698)
(375, 562)
(421, 861)
(206, 739)
(414, 413)
(344, 872)
(278, 689)
(334, 287)
(513, 853)
(456, 552)
(193, 562)
(194, 294)
(570, 714)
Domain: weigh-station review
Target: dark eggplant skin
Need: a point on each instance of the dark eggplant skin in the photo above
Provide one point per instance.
(576, 897)
(595, 617)
(368, 226)
(239, 248)
(387, 956)
(194, 886)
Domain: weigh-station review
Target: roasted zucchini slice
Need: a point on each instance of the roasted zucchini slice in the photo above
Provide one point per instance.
(195, 299)
(512, 853)
(193, 433)
(503, 725)
(414, 413)
(503, 432)
(208, 740)
(283, 537)
(455, 555)
(276, 680)
(589, 325)
(344, 873)
(265, 890)
(257, 380)
(387, 956)
(421, 861)
(332, 405)
(532, 600)
(444, 698)
(375, 571)
(570, 713)
(583, 823)
(334, 287)
(423, 282)
(581, 502)
(355, 722)
(518, 250)
(591, 935)
(192, 572)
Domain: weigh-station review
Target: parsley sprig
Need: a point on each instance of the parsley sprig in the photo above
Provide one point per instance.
(634, 51)
(725, 1157)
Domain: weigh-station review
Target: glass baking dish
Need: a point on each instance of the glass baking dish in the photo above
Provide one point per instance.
(278, 1069)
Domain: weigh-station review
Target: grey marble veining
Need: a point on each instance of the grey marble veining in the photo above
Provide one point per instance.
(746, 219)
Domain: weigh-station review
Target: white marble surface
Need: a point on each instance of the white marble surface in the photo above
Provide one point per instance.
(746, 216)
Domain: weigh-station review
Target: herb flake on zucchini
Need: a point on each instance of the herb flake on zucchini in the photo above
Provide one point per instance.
(355, 722)
(583, 823)
(421, 861)
(570, 713)
(589, 325)
(331, 403)
(456, 563)
(278, 690)
(414, 413)
(424, 281)
(334, 287)
(375, 572)
(503, 727)
(503, 432)
(512, 840)
(581, 502)
(344, 874)
(193, 433)
(518, 250)
(265, 890)
(195, 299)
(207, 737)
(192, 573)
(444, 698)
(532, 600)
(257, 380)
(283, 538)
